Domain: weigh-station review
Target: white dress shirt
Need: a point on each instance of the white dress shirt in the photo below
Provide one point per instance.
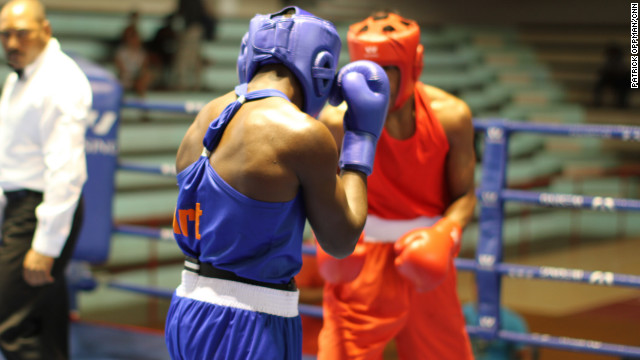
(43, 121)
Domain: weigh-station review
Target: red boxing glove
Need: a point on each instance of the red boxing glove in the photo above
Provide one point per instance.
(424, 255)
(339, 271)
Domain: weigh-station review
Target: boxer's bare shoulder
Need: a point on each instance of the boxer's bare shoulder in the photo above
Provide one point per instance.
(275, 125)
(452, 112)
(191, 145)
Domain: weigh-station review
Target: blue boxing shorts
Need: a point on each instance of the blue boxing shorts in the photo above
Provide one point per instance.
(212, 318)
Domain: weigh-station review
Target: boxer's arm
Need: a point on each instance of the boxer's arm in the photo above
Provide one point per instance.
(364, 86)
(338, 271)
(455, 116)
(331, 117)
(336, 205)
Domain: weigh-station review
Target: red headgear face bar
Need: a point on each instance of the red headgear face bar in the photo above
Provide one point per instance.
(389, 40)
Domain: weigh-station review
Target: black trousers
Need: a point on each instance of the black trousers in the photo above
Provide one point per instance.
(34, 321)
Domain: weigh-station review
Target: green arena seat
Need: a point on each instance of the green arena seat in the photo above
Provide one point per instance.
(486, 99)
(460, 58)
(538, 94)
(551, 113)
(100, 26)
(522, 171)
(151, 137)
(611, 186)
(144, 205)
(131, 181)
(220, 78)
(457, 81)
(221, 53)
(232, 30)
(87, 25)
(560, 113)
(90, 49)
(508, 56)
(523, 75)
(485, 36)
(525, 144)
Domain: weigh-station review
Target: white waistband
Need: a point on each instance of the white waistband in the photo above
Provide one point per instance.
(238, 295)
(379, 230)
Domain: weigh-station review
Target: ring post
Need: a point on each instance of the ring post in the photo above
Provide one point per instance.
(102, 153)
(489, 248)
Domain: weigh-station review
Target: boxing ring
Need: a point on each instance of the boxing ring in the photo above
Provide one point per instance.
(492, 193)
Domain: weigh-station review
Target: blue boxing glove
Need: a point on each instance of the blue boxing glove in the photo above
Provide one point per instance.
(364, 86)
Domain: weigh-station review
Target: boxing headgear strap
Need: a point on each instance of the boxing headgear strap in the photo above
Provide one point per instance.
(389, 40)
(305, 44)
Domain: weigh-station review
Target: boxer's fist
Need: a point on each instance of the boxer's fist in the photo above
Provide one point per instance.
(339, 271)
(425, 255)
(365, 88)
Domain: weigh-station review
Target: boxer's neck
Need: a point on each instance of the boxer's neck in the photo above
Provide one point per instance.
(401, 123)
(278, 77)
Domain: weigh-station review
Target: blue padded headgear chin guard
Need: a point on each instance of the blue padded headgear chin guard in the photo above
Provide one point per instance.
(306, 44)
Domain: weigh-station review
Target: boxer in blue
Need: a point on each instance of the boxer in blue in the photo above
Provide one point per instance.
(250, 178)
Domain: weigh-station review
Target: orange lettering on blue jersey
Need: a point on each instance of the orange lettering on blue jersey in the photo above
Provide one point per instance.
(198, 213)
(180, 225)
(176, 226)
(185, 216)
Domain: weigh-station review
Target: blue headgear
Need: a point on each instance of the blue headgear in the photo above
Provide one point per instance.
(305, 44)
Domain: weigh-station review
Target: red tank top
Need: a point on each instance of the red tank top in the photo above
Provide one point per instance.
(408, 178)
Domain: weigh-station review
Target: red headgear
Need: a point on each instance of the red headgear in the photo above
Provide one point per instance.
(389, 40)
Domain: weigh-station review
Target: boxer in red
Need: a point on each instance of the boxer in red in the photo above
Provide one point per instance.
(400, 282)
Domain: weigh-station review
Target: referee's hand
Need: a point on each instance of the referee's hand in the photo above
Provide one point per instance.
(36, 268)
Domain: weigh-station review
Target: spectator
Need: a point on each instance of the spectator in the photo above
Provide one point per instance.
(132, 63)
(162, 50)
(199, 23)
(132, 26)
(614, 75)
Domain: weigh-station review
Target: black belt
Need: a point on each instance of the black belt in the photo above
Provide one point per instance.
(19, 194)
(210, 271)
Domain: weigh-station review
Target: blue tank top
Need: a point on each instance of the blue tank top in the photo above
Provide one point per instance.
(216, 224)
